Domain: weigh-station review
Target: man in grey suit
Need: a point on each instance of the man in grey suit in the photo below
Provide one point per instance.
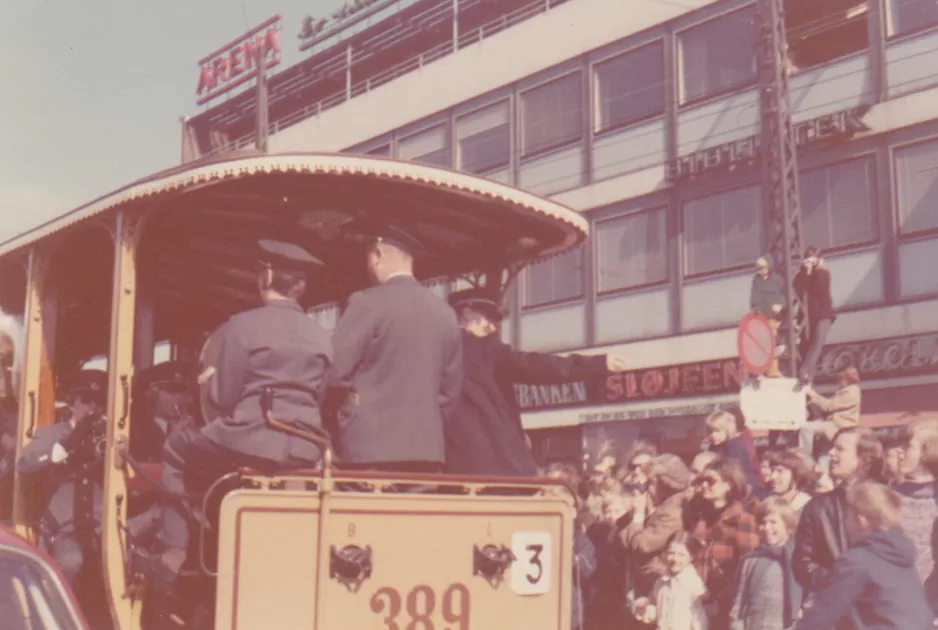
(398, 366)
(276, 347)
(65, 452)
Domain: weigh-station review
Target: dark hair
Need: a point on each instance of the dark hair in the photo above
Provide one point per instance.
(802, 476)
(286, 282)
(870, 453)
(811, 250)
(694, 544)
(849, 375)
(732, 473)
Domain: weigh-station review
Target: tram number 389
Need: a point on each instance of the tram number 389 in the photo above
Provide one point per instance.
(417, 609)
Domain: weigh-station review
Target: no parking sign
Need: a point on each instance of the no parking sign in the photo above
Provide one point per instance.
(756, 343)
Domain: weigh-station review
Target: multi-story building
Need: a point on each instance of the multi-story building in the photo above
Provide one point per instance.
(642, 115)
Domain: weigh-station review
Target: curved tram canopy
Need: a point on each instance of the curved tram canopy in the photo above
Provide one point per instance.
(168, 258)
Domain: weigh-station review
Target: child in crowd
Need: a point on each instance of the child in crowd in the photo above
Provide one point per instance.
(767, 596)
(676, 600)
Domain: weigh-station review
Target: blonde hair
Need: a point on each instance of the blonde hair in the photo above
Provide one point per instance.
(722, 421)
(926, 431)
(878, 505)
(779, 507)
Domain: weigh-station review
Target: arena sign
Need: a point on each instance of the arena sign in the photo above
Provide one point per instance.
(840, 125)
(914, 355)
(236, 63)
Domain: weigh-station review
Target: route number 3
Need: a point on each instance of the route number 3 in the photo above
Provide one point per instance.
(530, 572)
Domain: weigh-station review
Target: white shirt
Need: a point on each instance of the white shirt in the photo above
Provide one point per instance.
(677, 601)
(399, 273)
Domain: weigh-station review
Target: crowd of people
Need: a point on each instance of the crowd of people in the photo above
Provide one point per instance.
(734, 541)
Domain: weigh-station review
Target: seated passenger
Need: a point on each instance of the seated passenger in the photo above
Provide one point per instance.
(276, 346)
(67, 451)
(485, 436)
(163, 400)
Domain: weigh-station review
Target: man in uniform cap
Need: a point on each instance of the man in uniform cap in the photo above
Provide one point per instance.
(163, 399)
(69, 529)
(398, 366)
(485, 435)
(276, 346)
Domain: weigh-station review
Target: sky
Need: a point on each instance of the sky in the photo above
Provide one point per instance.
(91, 92)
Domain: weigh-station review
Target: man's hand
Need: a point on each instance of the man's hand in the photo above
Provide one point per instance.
(776, 308)
(616, 364)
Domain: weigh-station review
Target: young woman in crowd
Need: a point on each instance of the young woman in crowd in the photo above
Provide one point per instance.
(790, 479)
(728, 530)
(767, 596)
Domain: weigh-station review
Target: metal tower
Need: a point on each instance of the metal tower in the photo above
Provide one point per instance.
(780, 169)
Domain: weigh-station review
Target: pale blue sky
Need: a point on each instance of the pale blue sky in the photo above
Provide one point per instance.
(91, 91)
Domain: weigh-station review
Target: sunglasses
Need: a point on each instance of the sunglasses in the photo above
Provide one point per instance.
(710, 481)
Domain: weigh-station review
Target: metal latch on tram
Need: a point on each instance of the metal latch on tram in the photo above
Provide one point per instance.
(491, 562)
(351, 565)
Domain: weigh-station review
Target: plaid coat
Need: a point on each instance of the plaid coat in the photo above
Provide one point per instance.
(734, 534)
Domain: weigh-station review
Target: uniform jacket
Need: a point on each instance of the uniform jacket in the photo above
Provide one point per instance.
(484, 435)
(766, 293)
(397, 374)
(815, 291)
(275, 346)
(821, 538)
(61, 482)
(875, 583)
(842, 409)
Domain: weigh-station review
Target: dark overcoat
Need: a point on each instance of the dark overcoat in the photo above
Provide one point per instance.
(397, 374)
(485, 435)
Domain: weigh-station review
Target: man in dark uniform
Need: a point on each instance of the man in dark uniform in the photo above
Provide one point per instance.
(163, 401)
(398, 366)
(485, 435)
(70, 527)
(276, 346)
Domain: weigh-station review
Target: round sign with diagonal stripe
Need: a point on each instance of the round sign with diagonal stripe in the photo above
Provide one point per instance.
(756, 343)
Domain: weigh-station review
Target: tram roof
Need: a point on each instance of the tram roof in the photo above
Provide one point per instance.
(465, 222)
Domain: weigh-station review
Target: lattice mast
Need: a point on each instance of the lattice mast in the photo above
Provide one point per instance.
(780, 168)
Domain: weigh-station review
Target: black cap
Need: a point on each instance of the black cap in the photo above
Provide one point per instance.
(276, 254)
(169, 375)
(91, 383)
(479, 299)
(373, 232)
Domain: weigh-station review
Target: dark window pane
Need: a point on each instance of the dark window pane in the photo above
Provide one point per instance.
(552, 114)
(910, 15)
(629, 87)
(633, 250)
(484, 139)
(718, 54)
(724, 230)
(555, 279)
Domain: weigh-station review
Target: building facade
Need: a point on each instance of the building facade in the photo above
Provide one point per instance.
(646, 119)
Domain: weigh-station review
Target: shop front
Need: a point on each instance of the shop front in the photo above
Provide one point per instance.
(667, 405)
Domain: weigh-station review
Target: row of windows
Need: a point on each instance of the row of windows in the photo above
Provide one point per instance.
(724, 230)
(714, 57)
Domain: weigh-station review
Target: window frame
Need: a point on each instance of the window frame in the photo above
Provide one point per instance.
(527, 306)
(523, 153)
(427, 127)
(685, 275)
(458, 115)
(896, 214)
(889, 26)
(678, 65)
(594, 67)
(597, 250)
(869, 156)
